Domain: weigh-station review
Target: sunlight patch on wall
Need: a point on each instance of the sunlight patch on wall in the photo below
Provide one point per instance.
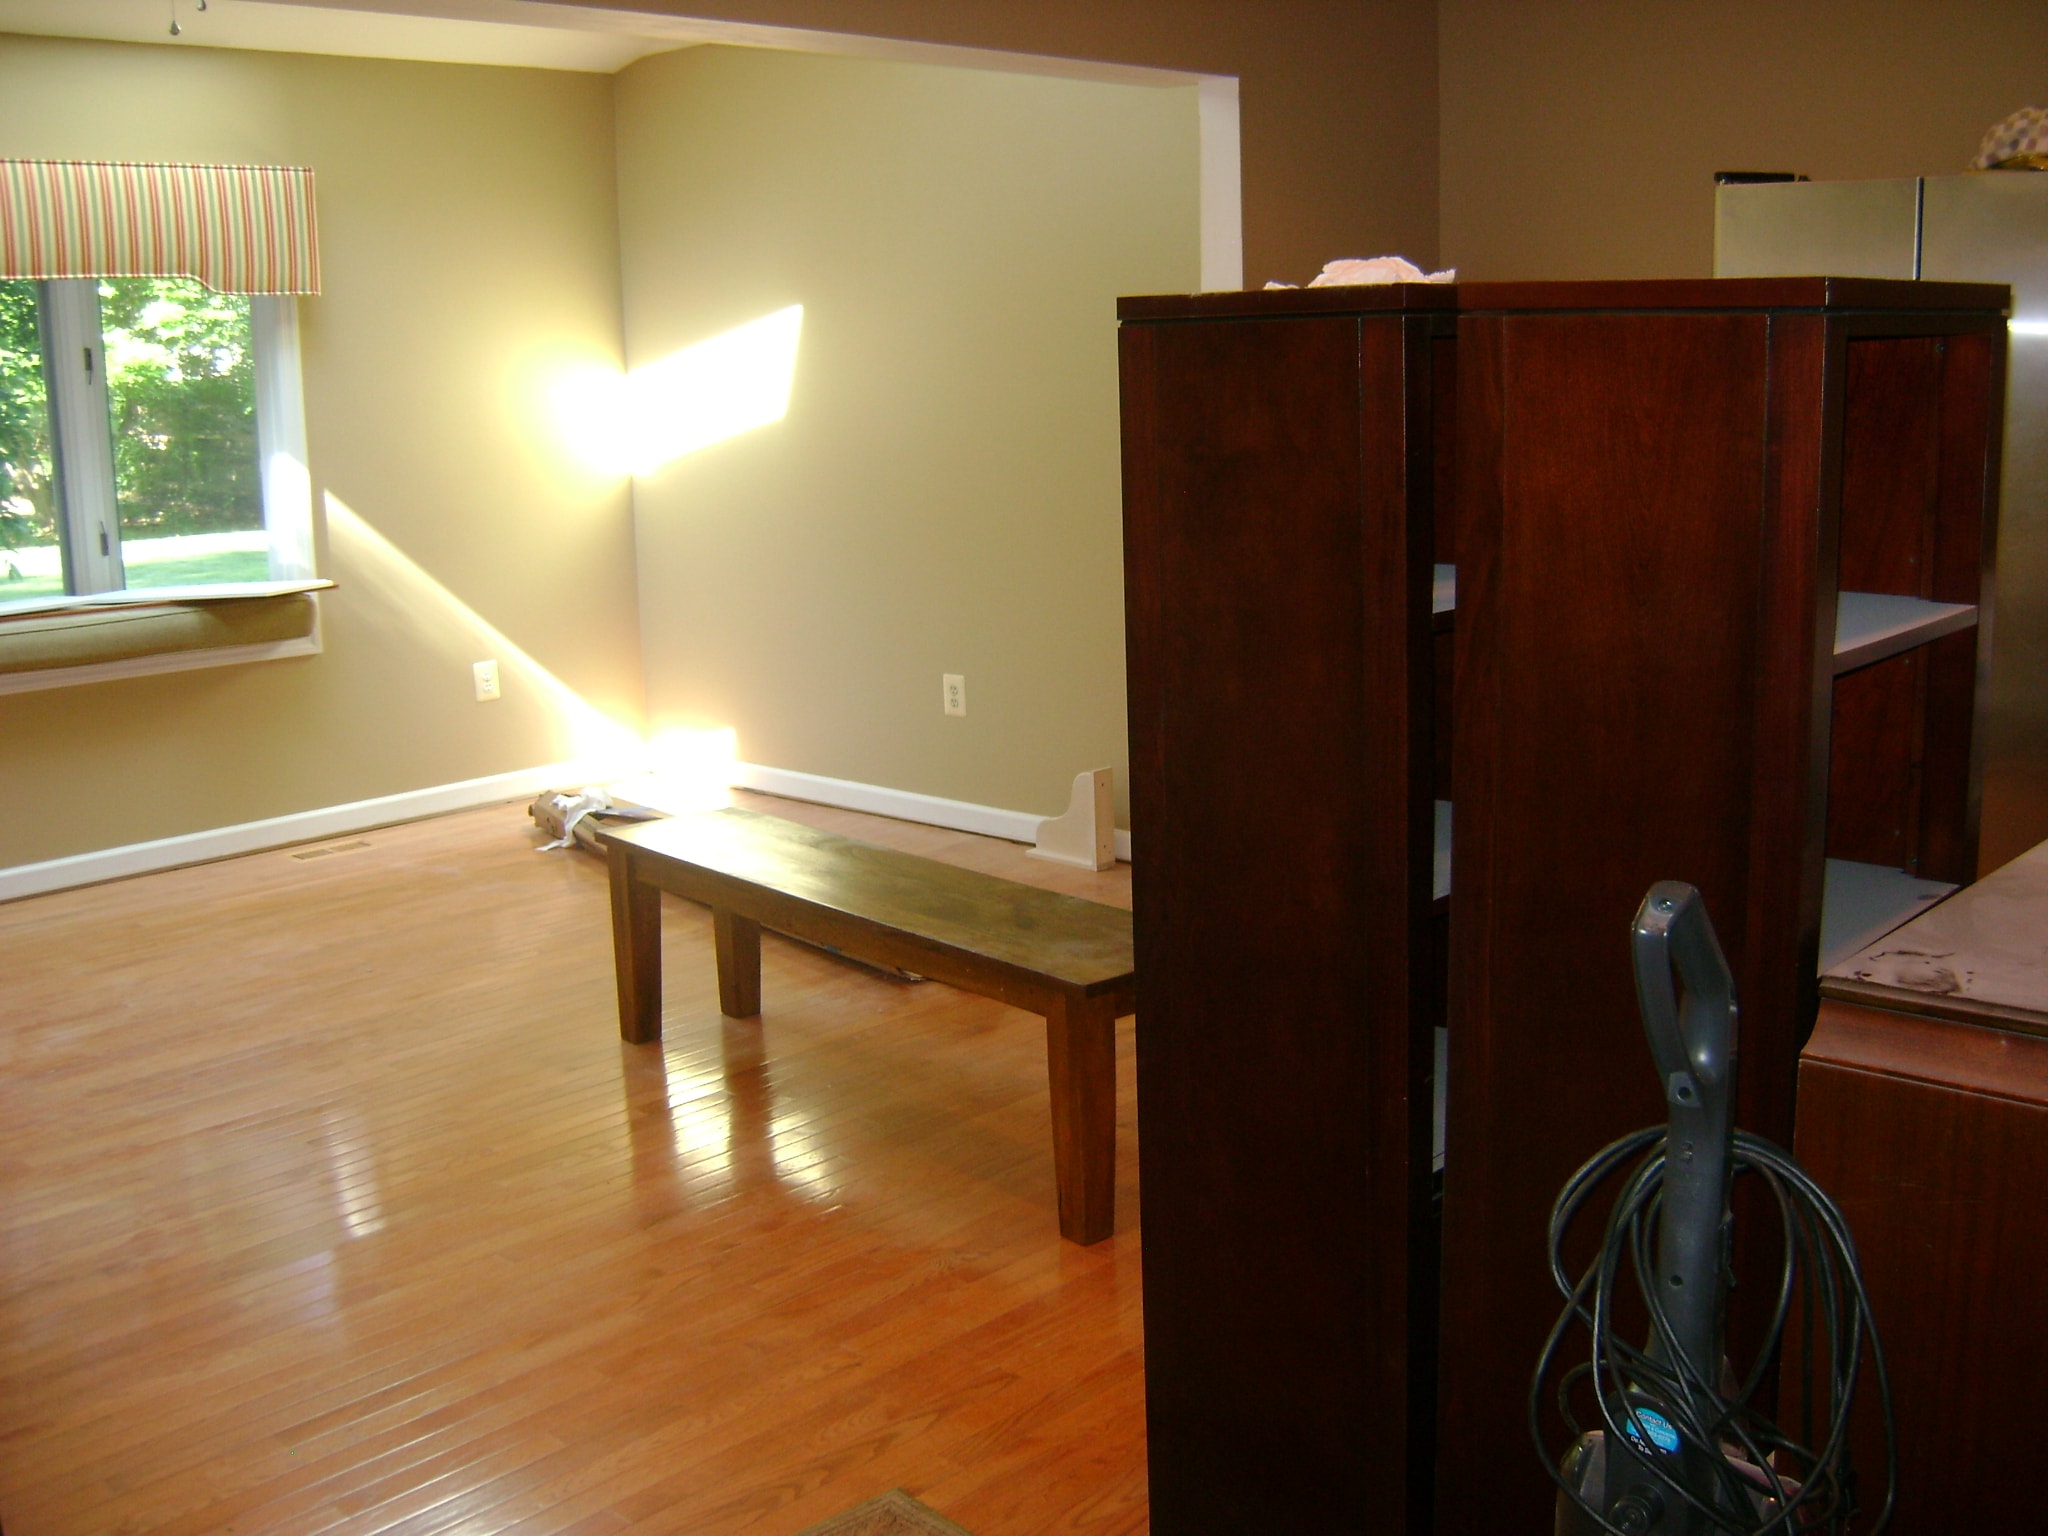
(595, 738)
(689, 400)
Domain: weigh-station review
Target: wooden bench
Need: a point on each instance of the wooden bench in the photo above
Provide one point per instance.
(1058, 956)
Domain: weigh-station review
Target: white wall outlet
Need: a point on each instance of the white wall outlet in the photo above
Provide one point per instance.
(486, 675)
(955, 689)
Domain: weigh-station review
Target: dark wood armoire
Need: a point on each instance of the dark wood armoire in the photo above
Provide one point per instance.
(1281, 474)
(1723, 557)
(1724, 586)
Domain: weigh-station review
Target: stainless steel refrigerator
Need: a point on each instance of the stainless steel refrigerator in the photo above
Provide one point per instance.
(1989, 227)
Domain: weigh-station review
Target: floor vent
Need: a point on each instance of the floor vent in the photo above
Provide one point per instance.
(321, 853)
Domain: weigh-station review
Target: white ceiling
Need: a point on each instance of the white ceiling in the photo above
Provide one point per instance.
(533, 33)
(483, 37)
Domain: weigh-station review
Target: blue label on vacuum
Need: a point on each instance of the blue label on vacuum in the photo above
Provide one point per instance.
(1645, 1421)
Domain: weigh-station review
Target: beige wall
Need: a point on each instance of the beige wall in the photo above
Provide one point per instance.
(471, 253)
(1338, 97)
(943, 495)
(1581, 140)
(1575, 140)
(468, 239)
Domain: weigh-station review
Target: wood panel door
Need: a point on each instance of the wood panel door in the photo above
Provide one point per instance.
(1613, 545)
(1278, 555)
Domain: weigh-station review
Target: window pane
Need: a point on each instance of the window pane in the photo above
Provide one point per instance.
(181, 392)
(31, 563)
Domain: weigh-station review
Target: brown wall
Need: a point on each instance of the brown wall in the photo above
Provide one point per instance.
(1580, 140)
(1338, 97)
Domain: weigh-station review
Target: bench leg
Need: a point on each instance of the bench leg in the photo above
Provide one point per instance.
(1080, 1051)
(738, 941)
(636, 949)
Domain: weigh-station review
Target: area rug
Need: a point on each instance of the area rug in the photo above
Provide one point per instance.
(895, 1513)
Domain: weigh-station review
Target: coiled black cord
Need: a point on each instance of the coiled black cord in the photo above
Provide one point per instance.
(1812, 1489)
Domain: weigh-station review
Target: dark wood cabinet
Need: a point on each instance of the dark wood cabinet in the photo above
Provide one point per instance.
(1932, 1135)
(1280, 474)
(1724, 555)
(1923, 1109)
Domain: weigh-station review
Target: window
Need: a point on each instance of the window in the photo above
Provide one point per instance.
(148, 438)
(152, 435)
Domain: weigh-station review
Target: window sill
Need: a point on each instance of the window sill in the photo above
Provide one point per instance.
(62, 642)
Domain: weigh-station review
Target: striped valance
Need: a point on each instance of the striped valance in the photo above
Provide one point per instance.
(237, 228)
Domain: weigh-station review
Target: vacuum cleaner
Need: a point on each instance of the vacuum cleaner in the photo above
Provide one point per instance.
(1679, 1450)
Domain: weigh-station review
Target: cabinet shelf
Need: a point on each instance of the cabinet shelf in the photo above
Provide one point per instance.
(1443, 590)
(1440, 873)
(1440, 1098)
(1861, 903)
(1870, 626)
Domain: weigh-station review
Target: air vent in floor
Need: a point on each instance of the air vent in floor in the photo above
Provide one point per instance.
(321, 853)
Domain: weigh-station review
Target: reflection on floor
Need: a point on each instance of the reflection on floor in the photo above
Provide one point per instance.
(331, 1202)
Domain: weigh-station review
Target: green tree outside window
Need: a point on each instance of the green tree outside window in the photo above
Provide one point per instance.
(181, 397)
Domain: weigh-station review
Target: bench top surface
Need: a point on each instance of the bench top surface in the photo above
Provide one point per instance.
(1063, 938)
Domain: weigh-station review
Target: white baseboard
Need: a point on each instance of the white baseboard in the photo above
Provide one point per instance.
(360, 815)
(279, 831)
(903, 804)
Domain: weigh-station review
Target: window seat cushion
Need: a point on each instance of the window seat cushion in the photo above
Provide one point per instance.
(77, 637)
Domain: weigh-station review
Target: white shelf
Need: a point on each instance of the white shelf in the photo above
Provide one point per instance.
(157, 597)
(1440, 879)
(1437, 1115)
(1869, 626)
(1861, 903)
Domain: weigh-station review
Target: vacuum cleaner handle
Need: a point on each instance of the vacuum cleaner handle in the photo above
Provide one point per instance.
(1674, 942)
(1688, 1002)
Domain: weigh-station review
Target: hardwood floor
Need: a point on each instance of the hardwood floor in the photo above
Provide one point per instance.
(331, 1202)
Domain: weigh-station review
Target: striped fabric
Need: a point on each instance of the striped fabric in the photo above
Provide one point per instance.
(237, 228)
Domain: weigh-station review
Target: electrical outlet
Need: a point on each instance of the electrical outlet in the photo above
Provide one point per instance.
(486, 675)
(955, 690)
